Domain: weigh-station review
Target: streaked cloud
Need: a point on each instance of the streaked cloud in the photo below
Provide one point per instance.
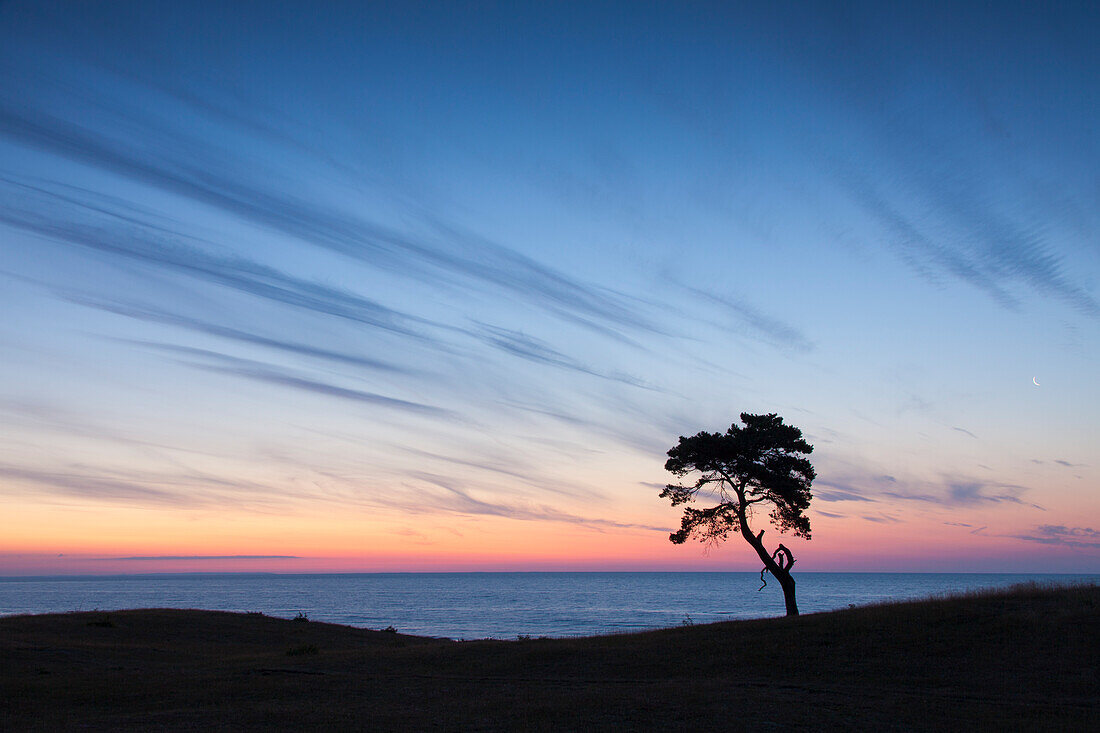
(881, 519)
(956, 492)
(532, 349)
(183, 168)
(1080, 538)
(155, 315)
(271, 374)
(754, 322)
(825, 490)
(455, 499)
(203, 557)
(88, 485)
(114, 236)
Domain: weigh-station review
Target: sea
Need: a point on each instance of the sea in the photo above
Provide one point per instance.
(495, 605)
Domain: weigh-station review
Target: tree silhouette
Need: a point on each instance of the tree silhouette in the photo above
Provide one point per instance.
(761, 463)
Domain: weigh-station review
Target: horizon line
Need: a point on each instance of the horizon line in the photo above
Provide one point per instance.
(526, 572)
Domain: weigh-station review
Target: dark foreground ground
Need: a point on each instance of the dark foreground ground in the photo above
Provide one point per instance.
(1025, 659)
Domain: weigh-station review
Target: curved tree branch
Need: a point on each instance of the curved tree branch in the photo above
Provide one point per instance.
(783, 557)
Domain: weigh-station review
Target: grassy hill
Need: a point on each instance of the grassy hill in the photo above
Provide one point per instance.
(1024, 659)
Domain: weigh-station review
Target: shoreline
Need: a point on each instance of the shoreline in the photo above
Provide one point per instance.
(461, 606)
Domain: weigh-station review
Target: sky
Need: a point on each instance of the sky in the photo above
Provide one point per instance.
(434, 286)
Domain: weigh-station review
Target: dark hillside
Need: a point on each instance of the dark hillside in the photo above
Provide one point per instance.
(1022, 659)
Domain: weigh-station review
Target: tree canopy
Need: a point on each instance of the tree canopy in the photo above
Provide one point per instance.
(762, 463)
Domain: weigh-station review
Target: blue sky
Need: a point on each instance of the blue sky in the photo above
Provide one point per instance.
(462, 272)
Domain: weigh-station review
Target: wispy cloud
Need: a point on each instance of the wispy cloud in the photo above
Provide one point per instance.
(512, 467)
(306, 384)
(1006, 251)
(961, 492)
(191, 167)
(271, 374)
(967, 525)
(949, 491)
(203, 557)
(155, 315)
(1080, 538)
(524, 346)
(177, 487)
(34, 211)
(754, 322)
(41, 416)
(928, 257)
(988, 249)
(455, 499)
(89, 485)
(973, 492)
(881, 519)
(837, 492)
(839, 496)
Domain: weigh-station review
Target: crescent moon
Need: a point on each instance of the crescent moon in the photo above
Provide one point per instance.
(1035, 381)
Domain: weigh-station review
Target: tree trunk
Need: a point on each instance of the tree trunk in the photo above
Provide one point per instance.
(786, 581)
(783, 575)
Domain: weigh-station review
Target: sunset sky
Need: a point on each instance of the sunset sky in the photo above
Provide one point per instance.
(394, 286)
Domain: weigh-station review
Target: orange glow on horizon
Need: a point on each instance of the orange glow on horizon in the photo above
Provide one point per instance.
(84, 537)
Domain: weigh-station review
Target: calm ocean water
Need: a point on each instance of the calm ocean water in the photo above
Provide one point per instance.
(500, 605)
